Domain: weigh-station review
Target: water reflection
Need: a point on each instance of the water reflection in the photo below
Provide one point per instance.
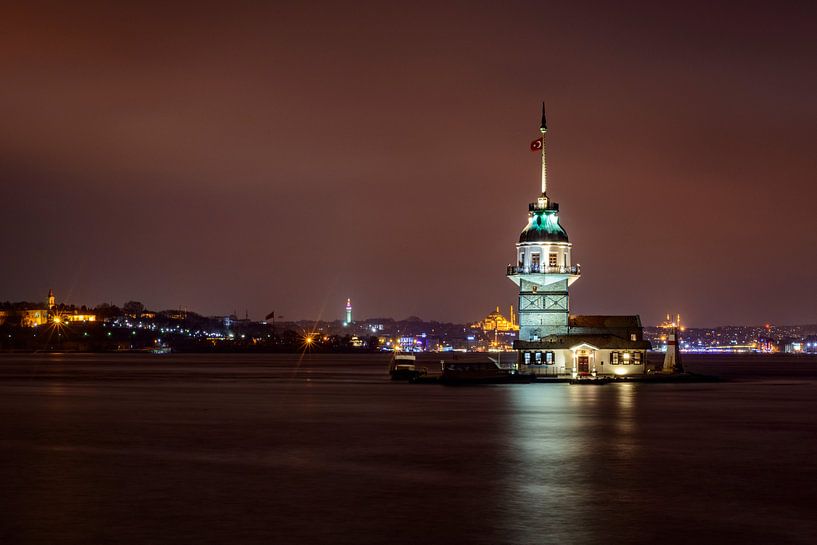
(625, 421)
(570, 444)
(189, 449)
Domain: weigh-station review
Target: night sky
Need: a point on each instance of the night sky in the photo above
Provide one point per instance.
(230, 157)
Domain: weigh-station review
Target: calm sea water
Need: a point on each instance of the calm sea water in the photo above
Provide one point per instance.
(272, 449)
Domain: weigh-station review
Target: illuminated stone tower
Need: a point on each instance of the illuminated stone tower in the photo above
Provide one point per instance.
(348, 311)
(52, 301)
(543, 269)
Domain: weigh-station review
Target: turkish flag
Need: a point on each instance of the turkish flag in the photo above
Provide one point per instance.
(536, 145)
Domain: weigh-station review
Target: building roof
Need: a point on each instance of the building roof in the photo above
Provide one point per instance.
(543, 226)
(621, 326)
(604, 321)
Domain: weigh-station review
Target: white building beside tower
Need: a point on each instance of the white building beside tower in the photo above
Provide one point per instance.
(551, 340)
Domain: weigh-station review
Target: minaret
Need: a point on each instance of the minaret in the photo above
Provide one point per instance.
(543, 269)
(52, 301)
(348, 311)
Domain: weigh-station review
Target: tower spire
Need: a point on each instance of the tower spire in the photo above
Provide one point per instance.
(543, 129)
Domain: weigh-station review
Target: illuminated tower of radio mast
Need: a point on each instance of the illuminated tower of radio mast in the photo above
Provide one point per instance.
(348, 311)
(543, 271)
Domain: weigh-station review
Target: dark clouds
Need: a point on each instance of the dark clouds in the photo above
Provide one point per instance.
(223, 157)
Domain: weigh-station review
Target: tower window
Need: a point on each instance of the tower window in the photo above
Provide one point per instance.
(553, 260)
(534, 261)
(614, 358)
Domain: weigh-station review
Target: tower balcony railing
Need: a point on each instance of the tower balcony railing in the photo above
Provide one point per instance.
(542, 269)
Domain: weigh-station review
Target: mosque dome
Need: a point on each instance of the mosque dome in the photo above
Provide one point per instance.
(543, 226)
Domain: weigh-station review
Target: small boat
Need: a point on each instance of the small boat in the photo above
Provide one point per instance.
(160, 350)
(484, 372)
(595, 381)
(404, 367)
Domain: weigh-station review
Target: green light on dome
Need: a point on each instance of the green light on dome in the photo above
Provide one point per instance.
(547, 221)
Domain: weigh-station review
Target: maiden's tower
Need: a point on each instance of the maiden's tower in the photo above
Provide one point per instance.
(551, 340)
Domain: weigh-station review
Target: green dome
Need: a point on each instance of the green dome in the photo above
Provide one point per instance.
(543, 226)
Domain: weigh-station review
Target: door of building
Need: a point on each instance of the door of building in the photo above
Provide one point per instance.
(584, 365)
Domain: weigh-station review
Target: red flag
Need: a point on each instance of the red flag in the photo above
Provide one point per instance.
(536, 145)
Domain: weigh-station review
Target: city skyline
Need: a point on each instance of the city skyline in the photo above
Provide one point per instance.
(342, 317)
(147, 158)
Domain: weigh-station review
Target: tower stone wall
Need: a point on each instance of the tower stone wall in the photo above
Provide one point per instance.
(544, 309)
